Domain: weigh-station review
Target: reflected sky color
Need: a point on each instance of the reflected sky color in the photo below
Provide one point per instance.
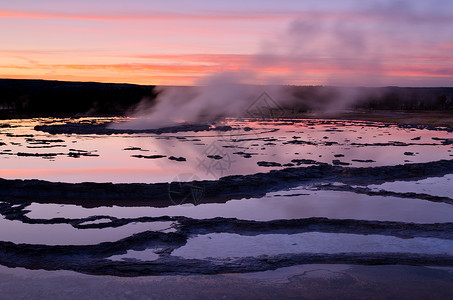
(225, 245)
(356, 143)
(295, 204)
(178, 42)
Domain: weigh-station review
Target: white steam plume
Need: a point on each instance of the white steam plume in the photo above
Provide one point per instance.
(355, 53)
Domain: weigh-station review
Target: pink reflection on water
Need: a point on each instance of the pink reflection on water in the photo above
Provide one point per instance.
(263, 141)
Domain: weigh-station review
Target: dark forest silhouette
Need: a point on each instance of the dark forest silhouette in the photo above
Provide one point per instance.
(46, 98)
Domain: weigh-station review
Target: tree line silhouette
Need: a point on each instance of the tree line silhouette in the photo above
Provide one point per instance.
(22, 97)
(59, 97)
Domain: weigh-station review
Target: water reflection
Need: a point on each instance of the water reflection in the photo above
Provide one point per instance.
(209, 155)
(64, 234)
(435, 186)
(250, 148)
(296, 204)
(226, 245)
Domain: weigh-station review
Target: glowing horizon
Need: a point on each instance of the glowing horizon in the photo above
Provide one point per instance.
(408, 43)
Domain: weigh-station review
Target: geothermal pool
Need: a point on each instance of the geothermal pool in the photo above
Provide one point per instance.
(249, 147)
(304, 192)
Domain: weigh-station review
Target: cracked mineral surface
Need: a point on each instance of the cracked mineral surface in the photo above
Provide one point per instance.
(238, 196)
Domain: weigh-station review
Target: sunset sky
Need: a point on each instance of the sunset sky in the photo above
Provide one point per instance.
(350, 42)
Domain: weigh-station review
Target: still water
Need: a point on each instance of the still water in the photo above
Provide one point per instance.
(123, 158)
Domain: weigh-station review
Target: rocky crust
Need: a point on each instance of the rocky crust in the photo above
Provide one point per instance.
(94, 259)
(231, 187)
(103, 128)
(17, 195)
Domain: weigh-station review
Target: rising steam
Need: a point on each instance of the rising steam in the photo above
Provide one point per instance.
(354, 53)
(216, 96)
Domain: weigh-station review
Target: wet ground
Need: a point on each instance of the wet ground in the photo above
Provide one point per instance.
(229, 204)
(298, 282)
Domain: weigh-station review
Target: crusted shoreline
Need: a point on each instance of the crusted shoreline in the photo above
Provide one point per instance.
(104, 129)
(91, 194)
(94, 259)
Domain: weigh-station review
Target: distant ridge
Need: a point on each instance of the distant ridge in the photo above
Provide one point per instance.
(28, 96)
(36, 97)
